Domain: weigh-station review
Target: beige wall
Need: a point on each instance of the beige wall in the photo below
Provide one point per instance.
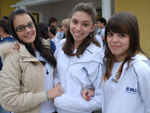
(6, 7)
(141, 8)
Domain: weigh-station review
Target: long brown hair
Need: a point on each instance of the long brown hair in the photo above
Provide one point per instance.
(68, 46)
(38, 42)
(122, 22)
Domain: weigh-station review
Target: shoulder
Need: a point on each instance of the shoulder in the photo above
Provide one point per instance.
(92, 48)
(61, 42)
(94, 53)
(140, 62)
(6, 48)
(9, 39)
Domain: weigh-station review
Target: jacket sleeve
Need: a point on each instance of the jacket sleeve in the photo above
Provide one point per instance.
(78, 104)
(58, 35)
(144, 85)
(56, 79)
(10, 86)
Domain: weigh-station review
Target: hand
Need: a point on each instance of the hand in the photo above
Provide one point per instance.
(16, 46)
(87, 93)
(58, 29)
(54, 92)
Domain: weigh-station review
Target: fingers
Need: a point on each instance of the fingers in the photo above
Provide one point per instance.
(84, 93)
(16, 46)
(87, 93)
(88, 97)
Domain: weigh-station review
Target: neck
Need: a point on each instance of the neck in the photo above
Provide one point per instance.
(119, 59)
(33, 46)
(52, 36)
(5, 35)
(76, 45)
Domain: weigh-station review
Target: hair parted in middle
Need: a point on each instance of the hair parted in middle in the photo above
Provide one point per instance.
(67, 47)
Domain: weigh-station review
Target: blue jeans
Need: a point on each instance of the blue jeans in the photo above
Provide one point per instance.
(2, 110)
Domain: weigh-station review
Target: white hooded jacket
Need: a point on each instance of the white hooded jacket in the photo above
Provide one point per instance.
(132, 93)
(76, 74)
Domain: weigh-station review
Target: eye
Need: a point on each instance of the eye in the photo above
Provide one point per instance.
(85, 24)
(122, 35)
(20, 28)
(109, 34)
(30, 25)
(74, 21)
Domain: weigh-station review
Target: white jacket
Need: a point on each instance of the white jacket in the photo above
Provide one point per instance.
(76, 74)
(132, 94)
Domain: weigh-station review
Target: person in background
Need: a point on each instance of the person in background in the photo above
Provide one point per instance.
(126, 82)
(5, 17)
(5, 37)
(4, 34)
(52, 33)
(79, 62)
(44, 34)
(53, 21)
(65, 24)
(59, 35)
(101, 23)
(26, 79)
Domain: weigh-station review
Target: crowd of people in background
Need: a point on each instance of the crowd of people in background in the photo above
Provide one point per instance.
(82, 65)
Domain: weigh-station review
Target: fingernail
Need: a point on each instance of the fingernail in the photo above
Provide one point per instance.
(87, 95)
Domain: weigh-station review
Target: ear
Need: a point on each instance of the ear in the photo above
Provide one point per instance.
(1, 29)
(93, 28)
(103, 23)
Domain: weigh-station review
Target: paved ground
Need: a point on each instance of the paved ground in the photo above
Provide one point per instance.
(98, 111)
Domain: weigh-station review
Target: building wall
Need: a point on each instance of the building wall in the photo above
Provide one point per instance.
(60, 10)
(141, 9)
(6, 7)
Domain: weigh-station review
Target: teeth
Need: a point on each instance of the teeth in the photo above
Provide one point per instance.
(77, 34)
(28, 35)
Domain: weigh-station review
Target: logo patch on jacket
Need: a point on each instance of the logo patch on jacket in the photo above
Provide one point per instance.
(85, 71)
(131, 90)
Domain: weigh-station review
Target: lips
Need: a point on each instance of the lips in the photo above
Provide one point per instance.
(77, 34)
(115, 46)
(29, 36)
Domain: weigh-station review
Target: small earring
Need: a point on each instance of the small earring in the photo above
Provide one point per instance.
(90, 34)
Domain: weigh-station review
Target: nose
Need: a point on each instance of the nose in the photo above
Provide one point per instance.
(115, 38)
(27, 29)
(78, 27)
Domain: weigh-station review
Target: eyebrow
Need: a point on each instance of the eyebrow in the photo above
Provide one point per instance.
(83, 21)
(27, 23)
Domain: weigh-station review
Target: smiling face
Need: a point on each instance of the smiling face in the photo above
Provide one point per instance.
(81, 25)
(118, 44)
(28, 35)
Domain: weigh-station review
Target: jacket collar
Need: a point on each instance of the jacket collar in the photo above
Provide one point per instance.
(25, 55)
(137, 57)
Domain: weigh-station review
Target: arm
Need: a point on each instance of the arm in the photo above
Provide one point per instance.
(79, 104)
(58, 34)
(102, 34)
(56, 78)
(144, 85)
(14, 95)
(11, 97)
